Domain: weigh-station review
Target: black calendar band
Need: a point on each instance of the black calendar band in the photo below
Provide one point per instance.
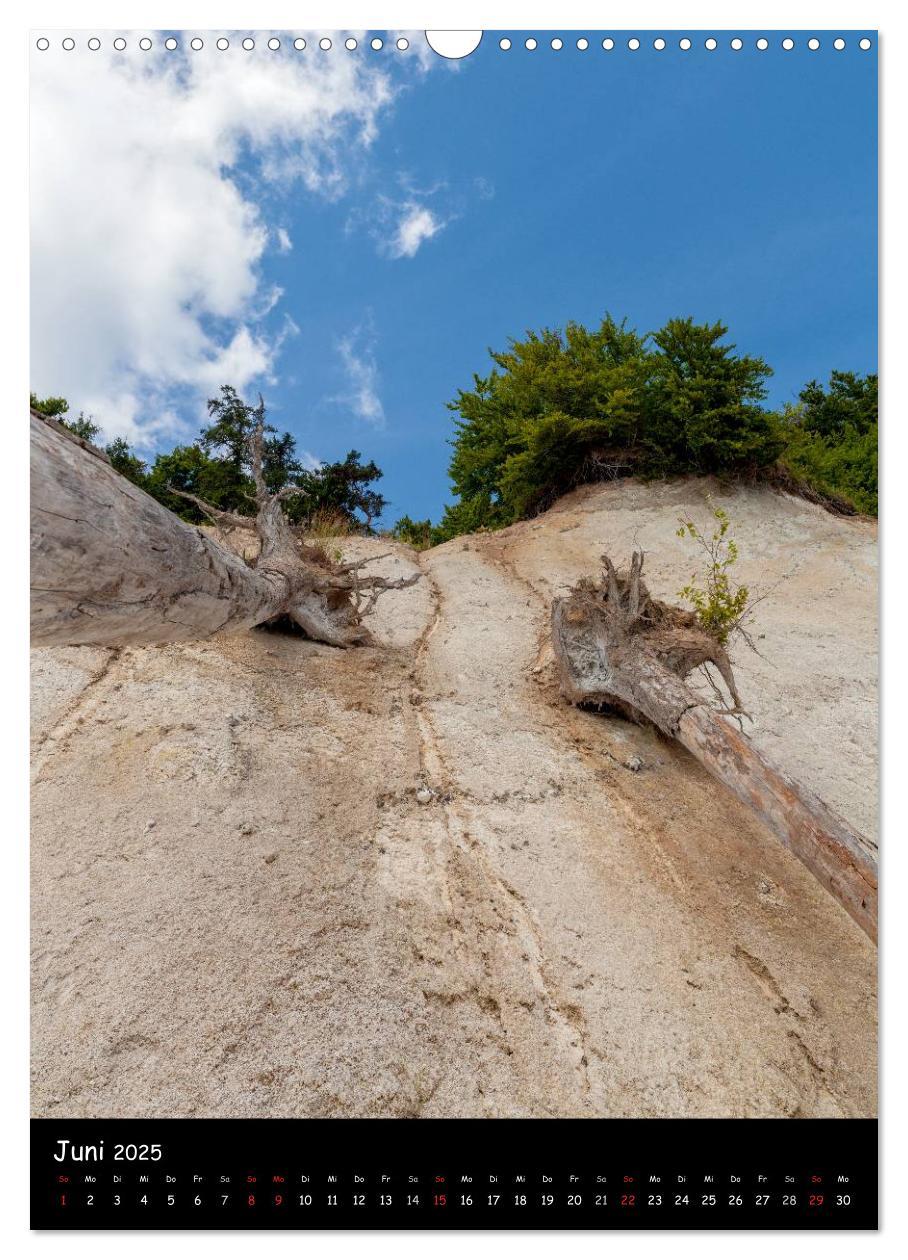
(454, 1174)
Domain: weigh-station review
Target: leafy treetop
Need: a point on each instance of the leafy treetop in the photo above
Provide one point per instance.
(560, 408)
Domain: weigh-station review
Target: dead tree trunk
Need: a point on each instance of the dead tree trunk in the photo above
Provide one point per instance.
(111, 566)
(617, 647)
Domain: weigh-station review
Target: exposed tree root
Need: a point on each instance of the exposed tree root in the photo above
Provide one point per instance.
(618, 647)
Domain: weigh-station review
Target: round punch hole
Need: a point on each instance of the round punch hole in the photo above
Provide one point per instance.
(94, 44)
(583, 44)
(69, 44)
(557, 45)
(684, 44)
(120, 43)
(788, 44)
(299, 44)
(813, 44)
(248, 44)
(762, 44)
(838, 44)
(504, 44)
(196, 44)
(633, 44)
(737, 44)
(274, 43)
(145, 44)
(531, 44)
(43, 44)
(608, 44)
(712, 44)
(324, 44)
(350, 44)
(453, 45)
(865, 44)
(378, 44)
(223, 43)
(170, 44)
(403, 44)
(659, 44)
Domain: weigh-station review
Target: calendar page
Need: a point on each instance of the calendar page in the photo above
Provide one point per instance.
(454, 627)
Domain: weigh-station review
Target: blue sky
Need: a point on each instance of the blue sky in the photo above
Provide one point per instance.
(524, 189)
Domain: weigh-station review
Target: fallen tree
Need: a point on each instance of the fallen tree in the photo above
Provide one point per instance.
(111, 566)
(616, 647)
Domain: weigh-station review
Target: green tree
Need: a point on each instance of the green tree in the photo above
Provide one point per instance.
(126, 462)
(189, 468)
(702, 405)
(419, 534)
(56, 408)
(554, 404)
(848, 402)
(562, 408)
(232, 421)
(225, 441)
(343, 488)
(832, 440)
(472, 515)
(83, 426)
(279, 462)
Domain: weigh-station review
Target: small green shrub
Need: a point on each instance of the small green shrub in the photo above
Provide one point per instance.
(720, 606)
(418, 534)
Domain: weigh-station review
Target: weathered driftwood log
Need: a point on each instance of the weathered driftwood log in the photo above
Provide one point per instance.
(111, 566)
(619, 648)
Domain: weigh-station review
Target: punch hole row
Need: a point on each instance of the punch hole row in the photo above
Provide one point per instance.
(505, 44)
(248, 44)
(685, 44)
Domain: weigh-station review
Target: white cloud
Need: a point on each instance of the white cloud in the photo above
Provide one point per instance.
(284, 242)
(357, 352)
(416, 224)
(400, 224)
(146, 239)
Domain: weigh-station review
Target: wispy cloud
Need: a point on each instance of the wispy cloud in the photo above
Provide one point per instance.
(284, 242)
(416, 224)
(357, 353)
(402, 221)
(400, 225)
